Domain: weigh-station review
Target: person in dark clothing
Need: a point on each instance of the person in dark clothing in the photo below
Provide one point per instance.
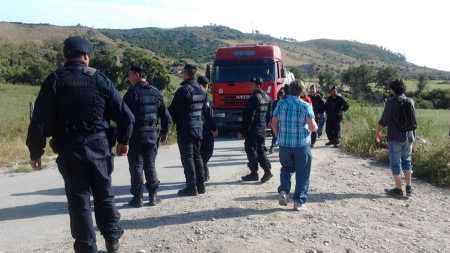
(256, 117)
(400, 140)
(187, 109)
(74, 107)
(147, 104)
(334, 108)
(281, 94)
(209, 129)
(321, 121)
(318, 107)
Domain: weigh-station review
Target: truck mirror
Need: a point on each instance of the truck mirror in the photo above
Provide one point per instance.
(283, 73)
(208, 71)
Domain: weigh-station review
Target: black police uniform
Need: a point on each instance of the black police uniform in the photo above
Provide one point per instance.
(256, 116)
(334, 108)
(318, 107)
(207, 148)
(147, 104)
(186, 110)
(73, 106)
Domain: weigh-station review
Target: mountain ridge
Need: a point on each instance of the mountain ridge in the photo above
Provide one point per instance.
(198, 44)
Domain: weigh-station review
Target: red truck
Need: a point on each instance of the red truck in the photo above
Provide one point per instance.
(231, 73)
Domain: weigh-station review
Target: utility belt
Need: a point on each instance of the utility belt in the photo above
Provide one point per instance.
(61, 143)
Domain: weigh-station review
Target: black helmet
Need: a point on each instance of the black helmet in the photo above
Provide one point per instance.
(202, 80)
(257, 80)
(76, 45)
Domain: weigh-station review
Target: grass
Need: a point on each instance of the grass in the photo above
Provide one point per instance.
(431, 152)
(14, 108)
(411, 85)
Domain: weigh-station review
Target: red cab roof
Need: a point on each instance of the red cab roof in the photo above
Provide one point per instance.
(249, 52)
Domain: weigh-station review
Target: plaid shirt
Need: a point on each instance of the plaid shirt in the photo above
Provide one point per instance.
(292, 114)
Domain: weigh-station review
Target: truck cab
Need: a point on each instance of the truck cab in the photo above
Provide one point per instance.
(231, 73)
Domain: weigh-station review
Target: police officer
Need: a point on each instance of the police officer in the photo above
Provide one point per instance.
(256, 117)
(335, 106)
(147, 104)
(186, 110)
(209, 129)
(73, 107)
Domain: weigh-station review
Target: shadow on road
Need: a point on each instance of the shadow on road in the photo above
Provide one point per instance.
(186, 218)
(319, 197)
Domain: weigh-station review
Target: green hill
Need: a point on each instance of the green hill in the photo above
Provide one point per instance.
(198, 44)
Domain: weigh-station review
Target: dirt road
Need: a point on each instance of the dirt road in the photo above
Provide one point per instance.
(347, 211)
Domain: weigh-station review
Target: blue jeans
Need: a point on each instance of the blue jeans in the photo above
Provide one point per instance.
(400, 156)
(298, 161)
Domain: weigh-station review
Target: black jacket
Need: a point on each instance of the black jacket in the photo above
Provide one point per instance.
(335, 107)
(318, 104)
(257, 113)
(147, 104)
(187, 109)
(76, 102)
(209, 124)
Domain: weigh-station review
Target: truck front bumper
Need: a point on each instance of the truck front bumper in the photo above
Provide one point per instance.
(228, 119)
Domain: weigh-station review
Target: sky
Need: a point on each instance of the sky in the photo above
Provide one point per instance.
(419, 29)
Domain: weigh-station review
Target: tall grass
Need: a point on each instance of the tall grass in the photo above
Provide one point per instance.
(431, 155)
(14, 111)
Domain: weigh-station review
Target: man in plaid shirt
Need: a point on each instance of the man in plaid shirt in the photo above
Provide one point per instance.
(293, 121)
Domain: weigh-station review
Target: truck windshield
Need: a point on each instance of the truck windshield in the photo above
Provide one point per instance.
(243, 71)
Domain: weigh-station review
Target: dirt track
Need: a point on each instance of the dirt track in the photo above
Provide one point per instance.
(347, 211)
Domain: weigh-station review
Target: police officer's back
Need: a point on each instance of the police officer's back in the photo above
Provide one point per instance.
(73, 107)
(256, 117)
(147, 104)
(186, 110)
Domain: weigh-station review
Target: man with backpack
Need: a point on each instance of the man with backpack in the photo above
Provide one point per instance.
(399, 117)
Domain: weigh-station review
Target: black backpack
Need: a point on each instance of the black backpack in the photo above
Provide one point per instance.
(406, 120)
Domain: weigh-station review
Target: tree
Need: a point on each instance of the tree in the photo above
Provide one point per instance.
(155, 71)
(327, 79)
(105, 59)
(297, 73)
(385, 76)
(422, 84)
(358, 79)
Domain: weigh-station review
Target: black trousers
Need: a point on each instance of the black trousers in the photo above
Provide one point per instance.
(141, 160)
(315, 134)
(333, 130)
(207, 150)
(256, 152)
(88, 171)
(191, 158)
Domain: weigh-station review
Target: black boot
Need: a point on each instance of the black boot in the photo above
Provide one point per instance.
(253, 176)
(112, 246)
(188, 191)
(267, 176)
(201, 188)
(135, 202)
(153, 199)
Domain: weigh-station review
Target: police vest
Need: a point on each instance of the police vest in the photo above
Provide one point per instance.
(80, 105)
(262, 109)
(198, 98)
(148, 103)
